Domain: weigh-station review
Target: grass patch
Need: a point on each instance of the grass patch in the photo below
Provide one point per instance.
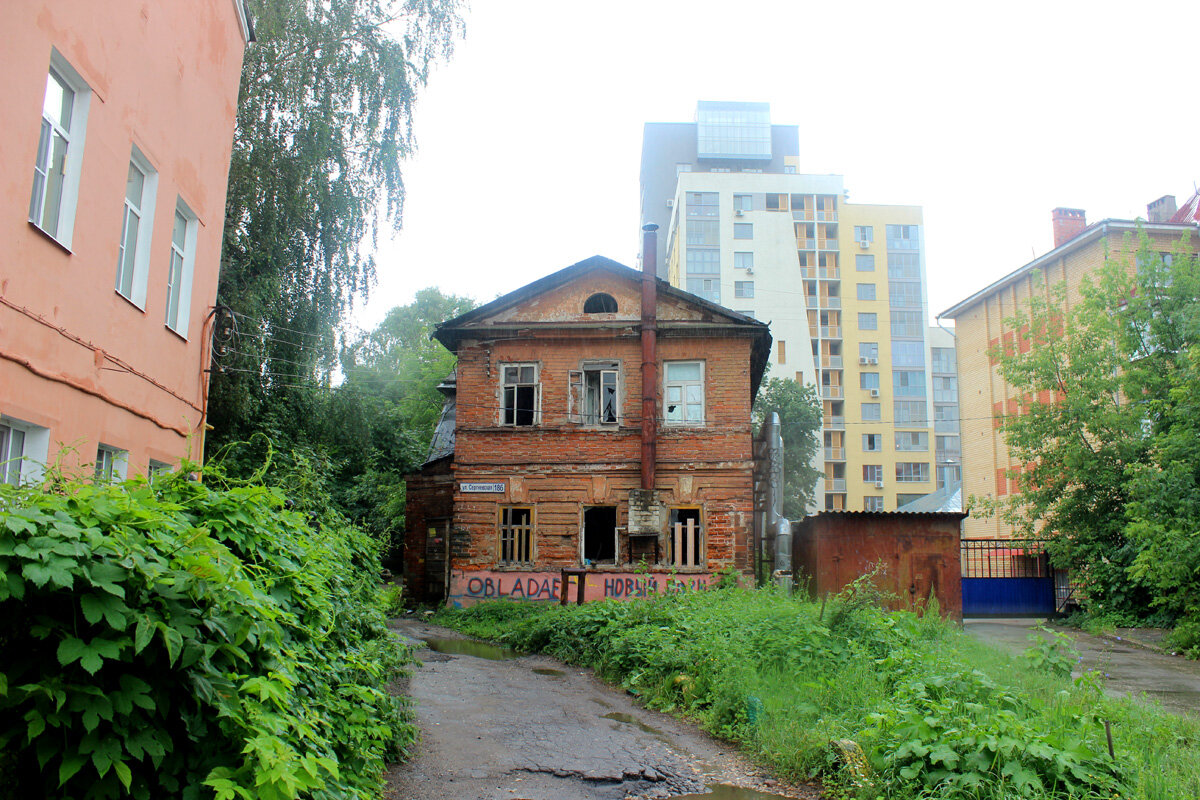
(936, 713)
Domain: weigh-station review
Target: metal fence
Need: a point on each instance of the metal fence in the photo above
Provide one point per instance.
(1005, 558)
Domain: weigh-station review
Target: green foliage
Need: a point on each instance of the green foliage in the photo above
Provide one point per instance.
(1107, 431)
(800, 421)
(324, 121)
(365, 435)
(385, 412)
(937, 714)
(177, 640)
(1054, 652)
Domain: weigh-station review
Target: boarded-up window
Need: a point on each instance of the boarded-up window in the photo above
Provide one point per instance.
(685, 548)
(516, 535)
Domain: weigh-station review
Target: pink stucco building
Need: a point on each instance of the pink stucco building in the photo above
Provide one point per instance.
(118, 126)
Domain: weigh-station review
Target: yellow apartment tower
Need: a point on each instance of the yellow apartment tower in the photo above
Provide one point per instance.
(843, 286)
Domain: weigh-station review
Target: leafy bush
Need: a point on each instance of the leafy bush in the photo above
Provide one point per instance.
(178, 640)
(1053, 653)
(937, 714)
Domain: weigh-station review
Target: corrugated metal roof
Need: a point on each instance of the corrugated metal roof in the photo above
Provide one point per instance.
(1189, 211)
(948, 498)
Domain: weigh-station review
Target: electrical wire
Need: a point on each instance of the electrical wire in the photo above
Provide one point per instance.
(274, 326)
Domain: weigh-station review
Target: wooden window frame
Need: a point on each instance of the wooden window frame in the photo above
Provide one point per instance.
(508, 533)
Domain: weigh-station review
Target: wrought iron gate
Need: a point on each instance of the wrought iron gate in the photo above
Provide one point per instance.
(1007, 578)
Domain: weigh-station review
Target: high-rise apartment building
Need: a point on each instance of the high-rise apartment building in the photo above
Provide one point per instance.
(841, 284)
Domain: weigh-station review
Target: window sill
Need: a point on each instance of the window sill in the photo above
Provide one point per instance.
(178, 335)
(50, 238)
(129, 300)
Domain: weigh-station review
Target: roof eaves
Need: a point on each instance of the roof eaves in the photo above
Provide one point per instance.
(1085, 236)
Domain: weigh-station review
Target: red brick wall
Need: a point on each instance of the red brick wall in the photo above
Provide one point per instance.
(557, 466)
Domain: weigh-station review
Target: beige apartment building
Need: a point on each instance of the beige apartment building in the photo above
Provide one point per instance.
(843, 286)
(979, 326)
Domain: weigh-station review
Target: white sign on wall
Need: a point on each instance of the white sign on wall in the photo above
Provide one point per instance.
(489, 488)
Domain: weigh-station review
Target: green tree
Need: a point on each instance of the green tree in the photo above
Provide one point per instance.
(800, 422)
(383, 416)
(1103, 420)
(324, 120)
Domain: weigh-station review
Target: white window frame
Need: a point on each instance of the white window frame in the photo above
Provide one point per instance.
(185, 257)
(743, 227)
(34, 444)
(144, 211)
(112, 464)
(63, 228)
(743, 259)
(910, 441)
(743, 289)
(587, 393)
(912, 472)
(675, 395)
(156, 468)
(504, 394)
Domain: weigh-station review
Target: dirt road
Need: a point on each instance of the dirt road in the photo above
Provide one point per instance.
(498, 727)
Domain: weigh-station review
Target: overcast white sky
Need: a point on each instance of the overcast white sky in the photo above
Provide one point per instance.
(987, 115)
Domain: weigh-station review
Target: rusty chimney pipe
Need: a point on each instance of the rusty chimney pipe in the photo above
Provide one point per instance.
(649, 353)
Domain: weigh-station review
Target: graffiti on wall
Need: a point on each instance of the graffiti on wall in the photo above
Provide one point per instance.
(469, 587)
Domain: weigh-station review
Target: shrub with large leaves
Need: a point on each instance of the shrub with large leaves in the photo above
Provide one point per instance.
(184, 641)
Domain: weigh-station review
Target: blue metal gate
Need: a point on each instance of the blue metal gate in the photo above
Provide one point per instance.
(1007, 578)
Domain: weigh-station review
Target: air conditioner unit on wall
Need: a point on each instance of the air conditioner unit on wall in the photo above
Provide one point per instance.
(738, 212)
(874, 393)
(864, 244)
(862, 359)
(670, 202)
(873, 360)
(878, 484)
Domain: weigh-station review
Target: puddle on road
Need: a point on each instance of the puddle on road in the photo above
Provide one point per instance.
(470, 647)
(725, 792)
(553, 673)
(630, 719)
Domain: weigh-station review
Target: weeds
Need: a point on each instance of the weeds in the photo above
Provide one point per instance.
(937, 715)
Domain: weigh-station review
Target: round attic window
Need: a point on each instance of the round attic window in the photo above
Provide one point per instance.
(600, 303)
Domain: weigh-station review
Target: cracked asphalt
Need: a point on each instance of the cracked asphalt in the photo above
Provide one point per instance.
(531, 728)
(1129, 671)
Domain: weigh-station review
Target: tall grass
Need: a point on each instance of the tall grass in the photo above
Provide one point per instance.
(937, 714)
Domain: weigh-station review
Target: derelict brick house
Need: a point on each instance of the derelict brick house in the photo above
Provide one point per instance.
(542, 462)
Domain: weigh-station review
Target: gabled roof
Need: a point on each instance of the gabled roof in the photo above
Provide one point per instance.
(714, 317)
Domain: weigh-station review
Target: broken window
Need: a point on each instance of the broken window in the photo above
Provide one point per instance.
(519, 402)
(600, 535)
(594, 394)
(516, 535)
(684, 546)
